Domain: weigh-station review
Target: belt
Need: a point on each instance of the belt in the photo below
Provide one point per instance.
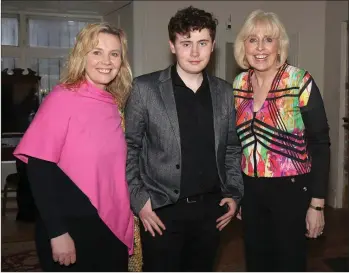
(199, 197)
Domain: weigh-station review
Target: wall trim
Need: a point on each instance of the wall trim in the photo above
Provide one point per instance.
(342, 113)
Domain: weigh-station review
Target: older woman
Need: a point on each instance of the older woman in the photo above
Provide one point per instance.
(76, 154)
(284, 134)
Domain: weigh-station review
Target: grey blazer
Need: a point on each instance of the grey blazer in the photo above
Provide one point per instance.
(153, 167)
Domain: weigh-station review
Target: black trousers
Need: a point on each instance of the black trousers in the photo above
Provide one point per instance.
(97, 248)
(273, 214)
(190, 241)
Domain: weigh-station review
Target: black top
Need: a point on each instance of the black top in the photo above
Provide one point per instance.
(195, 117)
(318, 141)
(56, 196)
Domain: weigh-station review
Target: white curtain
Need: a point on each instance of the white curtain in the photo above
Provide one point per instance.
(9, 62)
(9, 31)
(53, 33)
(49, 70)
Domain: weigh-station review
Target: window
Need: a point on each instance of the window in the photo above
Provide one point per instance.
(9, 62)
(9, 31)
(55, 33)
(49, 70)
(54, 37)
(41, 45)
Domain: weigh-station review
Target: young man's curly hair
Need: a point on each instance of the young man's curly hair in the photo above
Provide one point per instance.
(191, 19)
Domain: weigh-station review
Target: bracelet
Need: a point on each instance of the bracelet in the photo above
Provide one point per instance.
(318, 208)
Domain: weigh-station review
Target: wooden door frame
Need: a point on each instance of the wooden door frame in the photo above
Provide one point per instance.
(343, 112)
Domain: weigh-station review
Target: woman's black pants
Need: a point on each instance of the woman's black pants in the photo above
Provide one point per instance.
(273, 215)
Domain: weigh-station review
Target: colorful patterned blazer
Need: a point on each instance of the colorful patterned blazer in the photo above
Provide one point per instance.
(289, 135)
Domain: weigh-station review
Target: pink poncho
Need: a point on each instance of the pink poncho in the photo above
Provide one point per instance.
(81, 131)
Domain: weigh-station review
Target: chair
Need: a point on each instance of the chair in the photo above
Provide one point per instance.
(11, 184)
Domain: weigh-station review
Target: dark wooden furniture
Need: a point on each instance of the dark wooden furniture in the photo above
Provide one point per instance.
(19, 103)
(7, 154)
(11, 185)
(19, 99)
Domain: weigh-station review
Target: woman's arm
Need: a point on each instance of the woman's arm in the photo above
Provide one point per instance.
(318, 144)
(41, 175)
(318, 140)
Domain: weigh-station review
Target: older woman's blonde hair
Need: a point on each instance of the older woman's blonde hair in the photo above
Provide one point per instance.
(273, 28)
(87, 39)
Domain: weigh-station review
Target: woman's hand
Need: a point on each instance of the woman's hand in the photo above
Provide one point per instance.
(63, 249)
(315, 220)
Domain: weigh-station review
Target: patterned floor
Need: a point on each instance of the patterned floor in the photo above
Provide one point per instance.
(19, 257)
(326, 254)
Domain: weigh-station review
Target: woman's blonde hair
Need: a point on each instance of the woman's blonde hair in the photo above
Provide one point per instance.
(273, 27)
(87, 39)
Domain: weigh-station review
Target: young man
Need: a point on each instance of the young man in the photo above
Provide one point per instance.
(183, 163)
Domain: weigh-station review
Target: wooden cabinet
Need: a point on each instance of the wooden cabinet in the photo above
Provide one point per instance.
(19, 99)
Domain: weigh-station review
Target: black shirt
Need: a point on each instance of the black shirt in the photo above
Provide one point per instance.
(195, 117)
(56, 196)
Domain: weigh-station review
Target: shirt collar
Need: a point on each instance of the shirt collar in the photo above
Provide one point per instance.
(176, 79)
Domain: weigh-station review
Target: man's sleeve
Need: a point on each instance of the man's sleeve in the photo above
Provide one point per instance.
(135, 126)
(234, 187)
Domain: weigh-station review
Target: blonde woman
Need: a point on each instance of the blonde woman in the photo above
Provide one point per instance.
(76, 154)
(283, 130)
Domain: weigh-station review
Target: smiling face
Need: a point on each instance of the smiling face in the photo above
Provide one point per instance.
(103, 62)
(261, 50)
(193, 53)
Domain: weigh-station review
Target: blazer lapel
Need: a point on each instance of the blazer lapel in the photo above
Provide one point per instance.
(216, 108)
(166, 91)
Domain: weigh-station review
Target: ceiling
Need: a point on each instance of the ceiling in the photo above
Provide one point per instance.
(71, 7)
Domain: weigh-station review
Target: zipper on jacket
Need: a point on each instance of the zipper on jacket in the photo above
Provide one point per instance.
(255, 146)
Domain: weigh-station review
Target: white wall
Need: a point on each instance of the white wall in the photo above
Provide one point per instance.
(151, 51)
(317, 24)
(123, 18)
(336, 12)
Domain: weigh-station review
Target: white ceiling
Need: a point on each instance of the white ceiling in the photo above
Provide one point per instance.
(73, 7)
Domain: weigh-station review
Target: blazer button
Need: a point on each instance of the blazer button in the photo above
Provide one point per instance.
(177, 166)
(176, 191)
